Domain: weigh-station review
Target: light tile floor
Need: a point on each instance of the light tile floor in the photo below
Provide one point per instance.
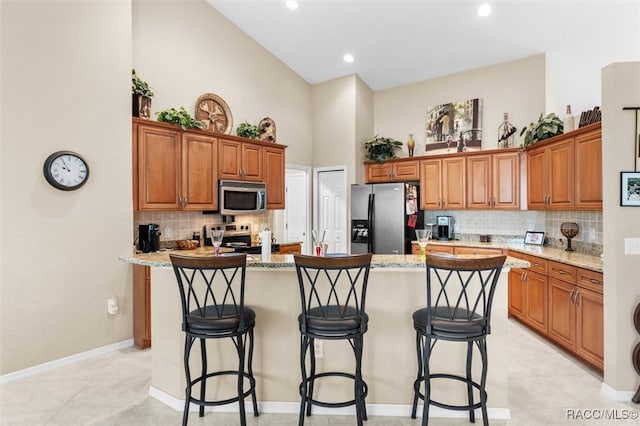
(544, 382)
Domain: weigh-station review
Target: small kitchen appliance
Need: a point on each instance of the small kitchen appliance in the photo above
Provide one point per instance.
(149, 237)
(444, 227)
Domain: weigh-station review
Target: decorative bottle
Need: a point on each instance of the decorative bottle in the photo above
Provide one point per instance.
(411, 144)
(506, 132)
(569, 121)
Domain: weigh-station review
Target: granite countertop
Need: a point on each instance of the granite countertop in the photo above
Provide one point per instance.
(582, 260)
(402, 261)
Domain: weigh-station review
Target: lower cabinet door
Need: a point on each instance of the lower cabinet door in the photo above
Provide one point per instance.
(536, 295)
(590, 327)
(516, 293)
(562, 313)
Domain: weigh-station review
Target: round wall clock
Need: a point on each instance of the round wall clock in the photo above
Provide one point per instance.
(66, 170)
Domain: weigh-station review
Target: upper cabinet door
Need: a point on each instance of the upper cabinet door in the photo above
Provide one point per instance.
(430, 185)
(252, 163)
(479, 194)
(536, 179)
(453, 183)
(158, 170)
(274, 166)
(505, 172)
(561, 174)
(199, 172)
(229, 159)
(588, 184)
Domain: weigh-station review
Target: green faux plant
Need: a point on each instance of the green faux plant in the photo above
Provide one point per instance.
(547, 126)
(180, 117)
(248, 130)
(380, 149)
(139, 86)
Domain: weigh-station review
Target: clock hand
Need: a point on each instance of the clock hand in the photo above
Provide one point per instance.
(65, 165)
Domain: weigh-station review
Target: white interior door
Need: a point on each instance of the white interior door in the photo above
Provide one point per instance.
(297, 214)
(330, 195)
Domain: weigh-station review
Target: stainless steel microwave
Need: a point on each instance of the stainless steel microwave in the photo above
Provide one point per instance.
(237, 197)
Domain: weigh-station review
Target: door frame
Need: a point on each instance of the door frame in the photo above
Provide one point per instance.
(307, 178)
(316, 204)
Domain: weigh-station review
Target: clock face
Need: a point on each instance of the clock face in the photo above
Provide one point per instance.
(66, 170)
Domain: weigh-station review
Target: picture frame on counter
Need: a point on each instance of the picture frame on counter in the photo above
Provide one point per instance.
(630, 189)
(534, 238)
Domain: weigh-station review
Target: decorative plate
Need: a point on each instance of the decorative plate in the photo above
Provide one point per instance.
(267, 129)
(214, 113)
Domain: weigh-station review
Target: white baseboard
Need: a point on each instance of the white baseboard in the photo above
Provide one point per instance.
(617, 395)
(72, 359)
(270, 407)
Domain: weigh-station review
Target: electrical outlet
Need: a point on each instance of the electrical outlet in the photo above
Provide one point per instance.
(167, 233)
(592, 234)
(317, 347)
(632, 246)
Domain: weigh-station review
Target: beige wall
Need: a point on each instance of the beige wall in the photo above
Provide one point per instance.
(620, 88)
(516, 87)
(65, 86)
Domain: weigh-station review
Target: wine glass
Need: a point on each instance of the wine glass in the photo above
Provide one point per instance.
(423, 236)
(216, 239)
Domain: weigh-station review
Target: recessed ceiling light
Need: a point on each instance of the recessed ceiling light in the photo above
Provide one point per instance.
(348, 58)
(484, 10)
(292, 4)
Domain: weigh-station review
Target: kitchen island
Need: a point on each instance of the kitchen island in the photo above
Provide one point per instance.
(396, 289)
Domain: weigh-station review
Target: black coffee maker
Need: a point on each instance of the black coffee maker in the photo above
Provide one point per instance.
(149, 237)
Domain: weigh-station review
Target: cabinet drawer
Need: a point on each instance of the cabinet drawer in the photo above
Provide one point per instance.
(562, 271)
(538, 264)
(478, 250)
(590, 280)
(438, 249)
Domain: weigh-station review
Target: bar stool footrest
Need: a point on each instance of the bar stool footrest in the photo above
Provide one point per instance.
(416, 386)
(365, 389)
(248, 392)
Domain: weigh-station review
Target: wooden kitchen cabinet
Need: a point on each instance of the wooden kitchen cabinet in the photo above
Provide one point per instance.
(240, 161)
(477, 250)
(442, 183)
(290, 248)
(174, 170)
(588, 169)
(528, 293)
(274, 171)
(493, 181)
(142, 306)
(398, 170)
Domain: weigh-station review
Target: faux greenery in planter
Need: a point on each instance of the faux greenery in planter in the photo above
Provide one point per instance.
(180, 117)
(380, 149)
(141, 95)
(248, 130)
(547, 126)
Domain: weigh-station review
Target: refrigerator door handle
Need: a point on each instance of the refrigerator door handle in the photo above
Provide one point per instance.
(370, 224)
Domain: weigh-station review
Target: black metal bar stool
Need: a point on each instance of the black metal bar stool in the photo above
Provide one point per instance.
(459, 297)
(212, 297)
(332, 295)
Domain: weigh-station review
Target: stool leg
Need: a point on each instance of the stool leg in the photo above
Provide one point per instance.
(427, 380)
(251, 378)
(312, 355)
(416, 384)
(203, 382)
(358, 390)
(482, 346)
(304, 385)
(188, 342)
(240, 349)
(472, 414)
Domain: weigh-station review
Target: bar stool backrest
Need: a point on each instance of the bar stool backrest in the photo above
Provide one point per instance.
(461, 289)
(332, 288)
(211, 288)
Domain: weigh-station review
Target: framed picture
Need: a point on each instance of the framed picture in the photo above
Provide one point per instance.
(454, 127)
(535, 238)
(630, 189)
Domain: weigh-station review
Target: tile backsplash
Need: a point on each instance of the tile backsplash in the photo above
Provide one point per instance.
(512, 225)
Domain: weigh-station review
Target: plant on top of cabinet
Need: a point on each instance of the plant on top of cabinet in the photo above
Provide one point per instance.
(380, 149)
(547, 126)
(141, 96)
(248, 130)
(180, 117)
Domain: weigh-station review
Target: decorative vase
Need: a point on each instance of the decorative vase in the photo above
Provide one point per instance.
(568, 123)
(411, 144)
(569, 230)
(141, 106)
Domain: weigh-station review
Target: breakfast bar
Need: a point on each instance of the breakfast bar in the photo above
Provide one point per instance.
(396, 288)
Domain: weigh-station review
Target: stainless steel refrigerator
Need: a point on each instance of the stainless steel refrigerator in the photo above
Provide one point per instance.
(384, 217)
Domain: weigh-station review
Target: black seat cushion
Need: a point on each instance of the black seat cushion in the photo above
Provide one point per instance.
(446, 322)
(331, 321)
(223, 319)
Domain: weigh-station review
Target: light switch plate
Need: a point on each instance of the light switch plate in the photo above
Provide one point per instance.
(632, 246)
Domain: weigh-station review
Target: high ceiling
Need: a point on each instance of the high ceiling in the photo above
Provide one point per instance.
(397, 42)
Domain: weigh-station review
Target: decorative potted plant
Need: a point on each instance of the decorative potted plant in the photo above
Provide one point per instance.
(180, 117)
(141, 96)
(248, 130)
(547, 126)
(379, 149)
